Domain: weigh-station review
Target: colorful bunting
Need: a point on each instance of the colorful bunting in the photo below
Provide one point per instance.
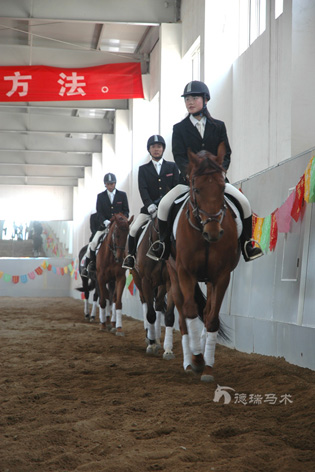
(298, 199)
(39, 271)
(273, 232)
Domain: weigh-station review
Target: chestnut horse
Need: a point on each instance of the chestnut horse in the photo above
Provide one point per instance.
(109, 269)
(207, 250)
(153, 282)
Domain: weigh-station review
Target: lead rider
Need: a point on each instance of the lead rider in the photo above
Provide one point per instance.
(199, 131)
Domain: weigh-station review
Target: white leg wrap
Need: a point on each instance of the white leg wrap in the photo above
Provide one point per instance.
(168, 339)
(193, 326)
(107, 308)
(86, 307)
(186, 351)
(114, 314)
(118, 318)
(145, 311)
(151, 331)
(158, 325)
(210, 348)
(102, 315)
(94, 307)
(203, 338)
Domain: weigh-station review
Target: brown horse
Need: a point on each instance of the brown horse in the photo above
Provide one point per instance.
(207, 250)
(153, 282)
(109, 270)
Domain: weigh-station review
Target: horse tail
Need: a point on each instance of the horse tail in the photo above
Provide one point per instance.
(224, 332)
(90, 286)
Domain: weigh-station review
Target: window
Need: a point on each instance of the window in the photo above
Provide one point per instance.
(252, 22)
(278, 8)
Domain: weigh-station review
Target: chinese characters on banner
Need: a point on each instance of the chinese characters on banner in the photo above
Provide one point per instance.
(43, 83)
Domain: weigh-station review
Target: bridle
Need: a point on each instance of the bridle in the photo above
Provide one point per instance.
(197, 211)
(112, 244)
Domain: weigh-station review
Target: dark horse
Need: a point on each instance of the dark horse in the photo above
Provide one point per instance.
(109, 269)
(88, 285)
(207, 250)
(153, 282)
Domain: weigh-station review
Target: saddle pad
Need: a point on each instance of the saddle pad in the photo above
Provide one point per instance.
(175, 224)
(238, 220)
(145, 227)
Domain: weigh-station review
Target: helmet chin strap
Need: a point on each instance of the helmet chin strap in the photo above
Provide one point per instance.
(201, 112)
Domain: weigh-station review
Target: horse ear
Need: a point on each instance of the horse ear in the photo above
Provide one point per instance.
(193, 158)
(221, 153)
(130, 220)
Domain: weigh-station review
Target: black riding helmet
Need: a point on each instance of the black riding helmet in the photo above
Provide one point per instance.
(110, 178)
(156, 138)
(199, 89)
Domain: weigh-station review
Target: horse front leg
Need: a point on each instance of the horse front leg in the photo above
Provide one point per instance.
(169, 326)
(104, 305)
(187, 283)
(178, 300)
(120, 285)
(212, 324)
(148, 293)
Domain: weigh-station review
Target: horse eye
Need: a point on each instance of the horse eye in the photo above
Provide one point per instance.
(196, 190)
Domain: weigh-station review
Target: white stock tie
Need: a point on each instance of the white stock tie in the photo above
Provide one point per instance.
(158, 167)
(200, 128)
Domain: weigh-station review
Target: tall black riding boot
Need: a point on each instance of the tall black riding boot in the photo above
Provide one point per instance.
(129, 261)
(92, 264)
(249, 251)
(161, 249)
(84, 272)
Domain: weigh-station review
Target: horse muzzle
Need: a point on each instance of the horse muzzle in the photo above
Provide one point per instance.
(212, 236)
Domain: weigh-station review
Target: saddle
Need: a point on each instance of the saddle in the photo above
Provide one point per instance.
(178, 206)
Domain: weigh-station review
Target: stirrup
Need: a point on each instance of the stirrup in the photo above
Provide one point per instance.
(85, 273)
(125, 266)
(91, 267)
(152, 251)
(259, 254)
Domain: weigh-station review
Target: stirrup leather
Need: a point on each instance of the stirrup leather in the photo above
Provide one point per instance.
(124, 266)
(152, 250)
(251, 258)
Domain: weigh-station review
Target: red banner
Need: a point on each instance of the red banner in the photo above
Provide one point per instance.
(43, 83)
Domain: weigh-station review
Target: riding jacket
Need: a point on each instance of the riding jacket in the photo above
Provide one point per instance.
(153, 186)
(106, 209)
(186, 135)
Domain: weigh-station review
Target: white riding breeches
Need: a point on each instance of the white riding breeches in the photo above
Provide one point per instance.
(93, 244)
(171, 196)
(141, 219)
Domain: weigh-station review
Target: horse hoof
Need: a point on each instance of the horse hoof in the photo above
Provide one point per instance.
(198, 363)
(102, 327)
(207, 374)
(152, 349)
(119, 333)
(112, 330)
(87, 317)
(92, 319)
(189, 370)
(168, 355)
(207, 378)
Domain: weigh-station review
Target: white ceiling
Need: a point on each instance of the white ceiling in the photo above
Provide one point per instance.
(50, 143)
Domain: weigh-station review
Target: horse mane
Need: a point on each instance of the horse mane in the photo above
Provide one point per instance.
(207, 162)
